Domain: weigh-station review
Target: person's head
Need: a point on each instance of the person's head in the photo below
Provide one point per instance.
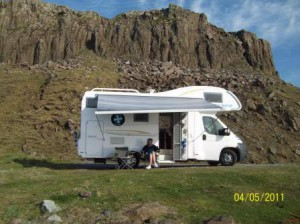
(149, 141)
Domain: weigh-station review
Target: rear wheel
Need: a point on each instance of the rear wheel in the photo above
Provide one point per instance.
(213, 163)
(228, 157)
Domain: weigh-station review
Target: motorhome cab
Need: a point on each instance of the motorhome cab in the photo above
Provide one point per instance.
(181, 122)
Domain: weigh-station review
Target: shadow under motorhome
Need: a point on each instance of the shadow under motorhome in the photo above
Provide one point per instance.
(182, 123)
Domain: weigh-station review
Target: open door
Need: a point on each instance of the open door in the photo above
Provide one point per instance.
(170, 136)
(166, 123)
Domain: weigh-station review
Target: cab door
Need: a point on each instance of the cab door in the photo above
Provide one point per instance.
(212, 142)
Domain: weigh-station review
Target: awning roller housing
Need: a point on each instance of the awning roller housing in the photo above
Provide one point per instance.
(124, 104)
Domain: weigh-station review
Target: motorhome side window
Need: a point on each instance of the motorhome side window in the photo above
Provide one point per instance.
(91, 102)
(141, 117)
(211, 125)
(213, 97)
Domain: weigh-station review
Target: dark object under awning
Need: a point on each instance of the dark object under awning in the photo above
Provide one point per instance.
(125, 104)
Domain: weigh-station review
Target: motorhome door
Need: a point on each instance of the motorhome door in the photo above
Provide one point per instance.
(94, 138)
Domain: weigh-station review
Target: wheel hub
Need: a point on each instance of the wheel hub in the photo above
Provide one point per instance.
(228, 158)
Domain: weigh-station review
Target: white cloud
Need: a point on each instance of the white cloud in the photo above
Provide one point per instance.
(275, 21)
(197, 6)
(142, 1)
(181, 3)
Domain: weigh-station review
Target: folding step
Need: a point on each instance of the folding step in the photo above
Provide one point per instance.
(166, 161)
(163, 157)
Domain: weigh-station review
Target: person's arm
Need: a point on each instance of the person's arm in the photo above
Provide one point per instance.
(144, 148)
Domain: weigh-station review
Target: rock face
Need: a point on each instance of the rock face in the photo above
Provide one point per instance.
(33, 32)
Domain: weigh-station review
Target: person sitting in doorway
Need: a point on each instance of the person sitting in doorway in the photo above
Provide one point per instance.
(150, 149)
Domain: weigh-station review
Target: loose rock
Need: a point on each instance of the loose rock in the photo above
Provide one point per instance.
(250, 105)
(86, 194)
(271, 95)
(53, 219)
(16, 221)
(273, 150)
(48, 206)
(220, 220)
(106, 213)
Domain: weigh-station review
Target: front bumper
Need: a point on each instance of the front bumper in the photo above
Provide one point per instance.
(243, 151)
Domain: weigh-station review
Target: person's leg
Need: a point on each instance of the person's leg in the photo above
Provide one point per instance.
(154, 157)
(150, 161)
(154, 160)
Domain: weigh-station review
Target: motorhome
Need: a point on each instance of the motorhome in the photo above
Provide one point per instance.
(182, 123)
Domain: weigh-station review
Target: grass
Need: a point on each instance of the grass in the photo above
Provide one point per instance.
(196, 193)
(25, 119)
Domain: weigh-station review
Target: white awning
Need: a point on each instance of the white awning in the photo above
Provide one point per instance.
(129, 104)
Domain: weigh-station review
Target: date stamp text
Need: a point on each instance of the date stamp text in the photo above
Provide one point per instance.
(258, 197)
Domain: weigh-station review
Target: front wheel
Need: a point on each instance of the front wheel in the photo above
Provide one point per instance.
(228, 157)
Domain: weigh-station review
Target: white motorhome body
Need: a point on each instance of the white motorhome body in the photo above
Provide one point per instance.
(181, 122)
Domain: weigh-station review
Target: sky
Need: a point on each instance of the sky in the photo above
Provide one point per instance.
(277, 21)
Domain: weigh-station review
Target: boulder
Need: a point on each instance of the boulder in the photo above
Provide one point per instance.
(146, 212)
(54, 219)
(86, 194)
(250, 105)
(51, 65)
(220, 220)
(260, 108)
(284, 103)
(16, 221)
(48, 206)
(273, 150)
(292, 121)
(271, 94)
(70, 125)
(106, 213)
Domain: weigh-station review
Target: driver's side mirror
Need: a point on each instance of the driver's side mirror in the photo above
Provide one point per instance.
(224, 132)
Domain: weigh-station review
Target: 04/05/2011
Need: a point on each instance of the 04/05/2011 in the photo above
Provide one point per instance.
(258, 197)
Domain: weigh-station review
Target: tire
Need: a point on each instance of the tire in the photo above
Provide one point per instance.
(228, 157)
(213, 163)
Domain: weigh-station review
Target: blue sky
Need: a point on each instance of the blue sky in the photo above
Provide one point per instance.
(274, 20)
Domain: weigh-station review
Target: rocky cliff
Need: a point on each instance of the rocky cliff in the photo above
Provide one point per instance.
(32, 32)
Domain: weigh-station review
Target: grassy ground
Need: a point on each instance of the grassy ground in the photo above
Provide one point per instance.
(36, 124)
(195, 193)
